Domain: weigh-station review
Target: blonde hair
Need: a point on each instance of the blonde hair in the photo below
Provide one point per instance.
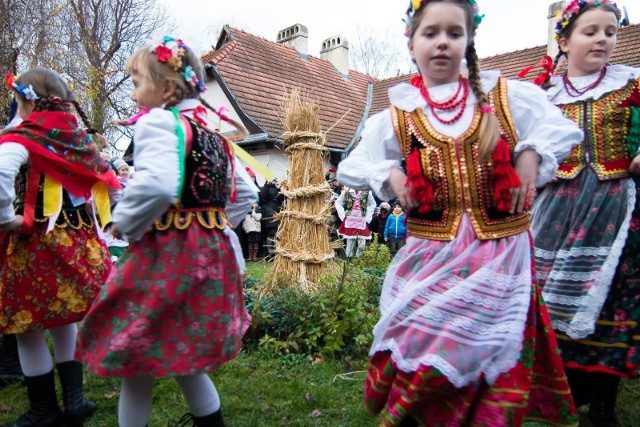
(144, 62)
(489, 127)
(53, 92)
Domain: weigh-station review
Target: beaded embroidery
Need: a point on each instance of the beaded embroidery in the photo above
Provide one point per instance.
(447, 162)
(606, 127)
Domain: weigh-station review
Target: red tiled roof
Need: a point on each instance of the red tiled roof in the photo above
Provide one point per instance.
(260, 73)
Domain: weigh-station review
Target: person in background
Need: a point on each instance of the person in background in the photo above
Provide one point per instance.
(252, 228)
(395, 230)
(355, 209)
(271, 202)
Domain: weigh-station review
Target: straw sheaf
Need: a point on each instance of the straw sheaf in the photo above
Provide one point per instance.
(303, 251)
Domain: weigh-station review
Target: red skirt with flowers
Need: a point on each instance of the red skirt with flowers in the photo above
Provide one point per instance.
(173, 305)
(49, 280)
(354, 233)
(535, 389)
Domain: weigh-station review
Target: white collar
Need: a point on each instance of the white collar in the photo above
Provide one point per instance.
(617, 77)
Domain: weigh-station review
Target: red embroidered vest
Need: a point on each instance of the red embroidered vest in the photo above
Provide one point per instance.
(459, 179)
(606, 123)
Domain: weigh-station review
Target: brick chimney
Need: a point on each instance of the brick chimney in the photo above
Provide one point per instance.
(296, 36)
(336, 50)
(552, 44)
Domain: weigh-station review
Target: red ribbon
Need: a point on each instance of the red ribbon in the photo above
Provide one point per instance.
(546, 63)
(220, 112)
(198, 113)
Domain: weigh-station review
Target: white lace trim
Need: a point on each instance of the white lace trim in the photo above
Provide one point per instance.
(583, 322)
(491, 369)
(571, 253)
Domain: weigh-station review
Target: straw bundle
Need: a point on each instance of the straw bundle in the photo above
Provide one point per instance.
(303, 250)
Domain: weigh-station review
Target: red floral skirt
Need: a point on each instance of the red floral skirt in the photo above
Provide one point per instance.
(535, 389)
(173, 305)
(49, 280)
(354, 232)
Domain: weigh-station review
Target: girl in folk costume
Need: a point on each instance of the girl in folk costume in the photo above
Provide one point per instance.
(463, 338)
(52, 262)
(586, 225)
(173, 305)
(355, 209)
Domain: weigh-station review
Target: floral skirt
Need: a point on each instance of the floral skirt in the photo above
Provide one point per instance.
(173, 305)
(585, 206)
(51, 279)
(535, 389)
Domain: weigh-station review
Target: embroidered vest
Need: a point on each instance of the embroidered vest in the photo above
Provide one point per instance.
(460, 180)
(349, 202)
(606, 126)
(204, 194)
(70, 215)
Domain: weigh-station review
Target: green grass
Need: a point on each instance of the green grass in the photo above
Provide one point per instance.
(260, 389)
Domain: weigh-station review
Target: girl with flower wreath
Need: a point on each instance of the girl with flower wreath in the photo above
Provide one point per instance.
(463, 337)
(173, 305)
(52, 261)
(586, 225)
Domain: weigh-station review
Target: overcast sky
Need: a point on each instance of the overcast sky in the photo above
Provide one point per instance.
(509, 24)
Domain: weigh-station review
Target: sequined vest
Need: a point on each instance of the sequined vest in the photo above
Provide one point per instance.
(461, 182)
(204, 195)
(606, 127)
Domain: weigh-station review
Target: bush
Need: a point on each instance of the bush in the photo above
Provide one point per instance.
(334, 319)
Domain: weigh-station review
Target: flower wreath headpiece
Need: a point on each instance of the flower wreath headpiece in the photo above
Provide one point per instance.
(26, 91)
(574, 7)
(172, 51)
(417, 4)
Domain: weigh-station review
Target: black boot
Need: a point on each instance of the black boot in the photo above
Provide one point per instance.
(76, 408)
(10, 370)
(44, 410)
(213, 420)
(579, 383)
(604, 392)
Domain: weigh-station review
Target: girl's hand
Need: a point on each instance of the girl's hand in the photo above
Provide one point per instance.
(12, 225)
(527, 170)
(396, 181)
(634, 168)
(117, 234)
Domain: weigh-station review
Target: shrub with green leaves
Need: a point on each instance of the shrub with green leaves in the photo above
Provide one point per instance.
(336, 318)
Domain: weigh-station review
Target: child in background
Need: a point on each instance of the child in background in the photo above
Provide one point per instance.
(122, 169)
(173, 305)
(586, 226)
(52, 262)
(251, 225)
(463, 338)
(395, 230)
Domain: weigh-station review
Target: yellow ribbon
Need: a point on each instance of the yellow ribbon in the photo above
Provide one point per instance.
(101, 200)
(251, 161)
(52, 197)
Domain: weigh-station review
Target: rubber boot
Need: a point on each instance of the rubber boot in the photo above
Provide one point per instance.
(76, 408)
(604, 392)
(44, 410)
(212, 420)
(10, 370)
(579, 383)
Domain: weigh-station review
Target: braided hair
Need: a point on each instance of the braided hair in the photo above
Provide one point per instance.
(489, 128)
(53, 93)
